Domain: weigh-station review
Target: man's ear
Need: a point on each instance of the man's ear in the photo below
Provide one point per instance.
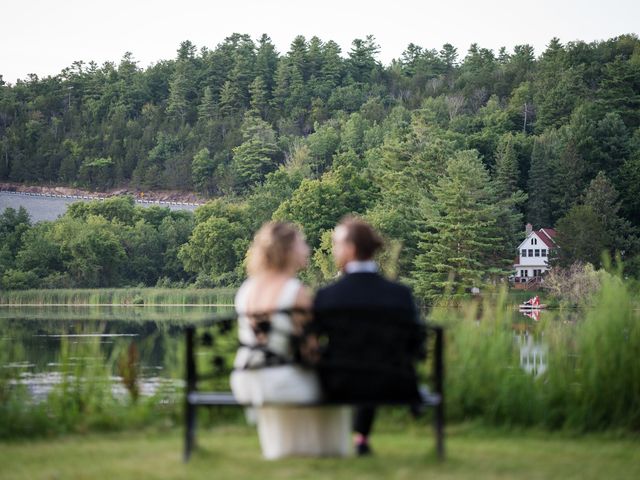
(350, 248)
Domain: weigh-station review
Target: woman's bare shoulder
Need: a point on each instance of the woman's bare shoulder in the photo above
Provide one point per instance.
(303, 298)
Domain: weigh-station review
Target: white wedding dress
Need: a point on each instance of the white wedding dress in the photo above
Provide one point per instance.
(258, 380)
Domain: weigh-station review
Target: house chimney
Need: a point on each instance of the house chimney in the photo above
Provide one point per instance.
(528, 229)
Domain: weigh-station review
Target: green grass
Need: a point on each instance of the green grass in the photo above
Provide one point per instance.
(233, 453)
(119, 296)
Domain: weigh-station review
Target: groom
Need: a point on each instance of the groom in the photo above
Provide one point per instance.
(355, 243)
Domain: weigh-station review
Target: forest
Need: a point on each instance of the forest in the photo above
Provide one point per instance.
(447, 154)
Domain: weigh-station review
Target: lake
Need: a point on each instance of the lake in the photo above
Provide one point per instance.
(40, 344)
(48, 207)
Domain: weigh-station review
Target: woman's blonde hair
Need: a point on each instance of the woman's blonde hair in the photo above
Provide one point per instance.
(272, 247)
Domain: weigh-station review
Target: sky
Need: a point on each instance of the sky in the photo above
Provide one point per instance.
(45, 36)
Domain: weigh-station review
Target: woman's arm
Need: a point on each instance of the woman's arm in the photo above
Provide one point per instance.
(303, 301)
(308, 347)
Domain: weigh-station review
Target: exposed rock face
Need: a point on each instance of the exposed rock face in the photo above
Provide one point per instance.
(158, 195)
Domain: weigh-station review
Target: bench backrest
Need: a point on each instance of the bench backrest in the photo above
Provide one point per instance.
(368, 355)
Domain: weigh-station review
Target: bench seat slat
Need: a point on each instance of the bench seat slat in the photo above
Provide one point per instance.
(227, 398)
(212, 398)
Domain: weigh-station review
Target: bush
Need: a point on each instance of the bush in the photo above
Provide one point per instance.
(577, 284)
(19, 280)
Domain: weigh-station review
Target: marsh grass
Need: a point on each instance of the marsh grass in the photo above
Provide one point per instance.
(82, 398)
(119, 296)
(592, 381)
(162, 314)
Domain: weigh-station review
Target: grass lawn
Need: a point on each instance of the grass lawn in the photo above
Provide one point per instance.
(233, 452)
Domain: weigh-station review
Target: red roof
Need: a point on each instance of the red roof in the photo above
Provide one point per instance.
(546, 235)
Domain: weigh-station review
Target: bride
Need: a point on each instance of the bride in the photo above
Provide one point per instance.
(265, 374)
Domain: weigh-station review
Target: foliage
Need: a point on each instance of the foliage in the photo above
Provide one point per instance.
(461, 238)
(119, 296)
(95, 244)
(581, 236)
(577, 284)
(310, 135)
(590, 381)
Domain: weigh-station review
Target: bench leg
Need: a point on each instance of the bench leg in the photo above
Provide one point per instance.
(439, 428)
(189, 431)
(439, 418)
(190, 409)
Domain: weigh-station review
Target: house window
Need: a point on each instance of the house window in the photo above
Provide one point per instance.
(531, 252)
(524, 252)
(534, 241)
(537, 252)
(544, 252)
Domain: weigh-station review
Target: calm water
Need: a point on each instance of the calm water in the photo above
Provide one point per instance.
(37, 344)
(49, 207)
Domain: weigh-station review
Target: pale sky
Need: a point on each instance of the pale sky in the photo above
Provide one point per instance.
(44, 36)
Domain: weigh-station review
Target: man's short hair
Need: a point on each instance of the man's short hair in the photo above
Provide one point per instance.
(363, 236)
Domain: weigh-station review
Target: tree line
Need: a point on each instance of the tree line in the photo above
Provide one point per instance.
(447, 156)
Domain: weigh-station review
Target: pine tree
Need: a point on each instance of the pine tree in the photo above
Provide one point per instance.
(362, 61)
(506, 169)
(256, 156)
(266, 62)
(259, 101)
(243, 71)
(228, 100)
(331, 71)
(177, 104)
(207, 108)
(541, 175)
(202, 168)
(569, 180)
(510, 197)
(461, 237)
(602, 197)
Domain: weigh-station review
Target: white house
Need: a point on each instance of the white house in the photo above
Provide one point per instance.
(532, 258)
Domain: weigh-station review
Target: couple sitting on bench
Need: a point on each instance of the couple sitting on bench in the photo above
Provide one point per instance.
(331, 361)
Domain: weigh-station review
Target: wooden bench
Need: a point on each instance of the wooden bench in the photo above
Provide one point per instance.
(221, 336)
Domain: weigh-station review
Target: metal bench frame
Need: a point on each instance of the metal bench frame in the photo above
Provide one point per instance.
(195, 398)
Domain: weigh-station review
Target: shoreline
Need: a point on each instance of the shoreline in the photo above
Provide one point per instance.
(65, 191)
(115, 305)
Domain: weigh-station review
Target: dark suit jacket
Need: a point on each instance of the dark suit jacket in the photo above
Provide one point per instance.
(367, 290)
(371, 337)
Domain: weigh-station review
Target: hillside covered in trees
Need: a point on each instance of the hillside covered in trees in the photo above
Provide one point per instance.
(447, 154)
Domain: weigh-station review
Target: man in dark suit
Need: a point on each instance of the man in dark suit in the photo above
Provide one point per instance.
(361, 287)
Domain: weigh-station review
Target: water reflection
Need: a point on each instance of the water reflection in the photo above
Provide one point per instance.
(41, 346)
(38, 345)
(533, 355)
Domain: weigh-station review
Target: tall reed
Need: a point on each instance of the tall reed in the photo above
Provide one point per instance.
(592, 380)
(119, 296)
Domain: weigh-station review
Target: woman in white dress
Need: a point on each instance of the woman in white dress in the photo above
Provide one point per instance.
(264, 373)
